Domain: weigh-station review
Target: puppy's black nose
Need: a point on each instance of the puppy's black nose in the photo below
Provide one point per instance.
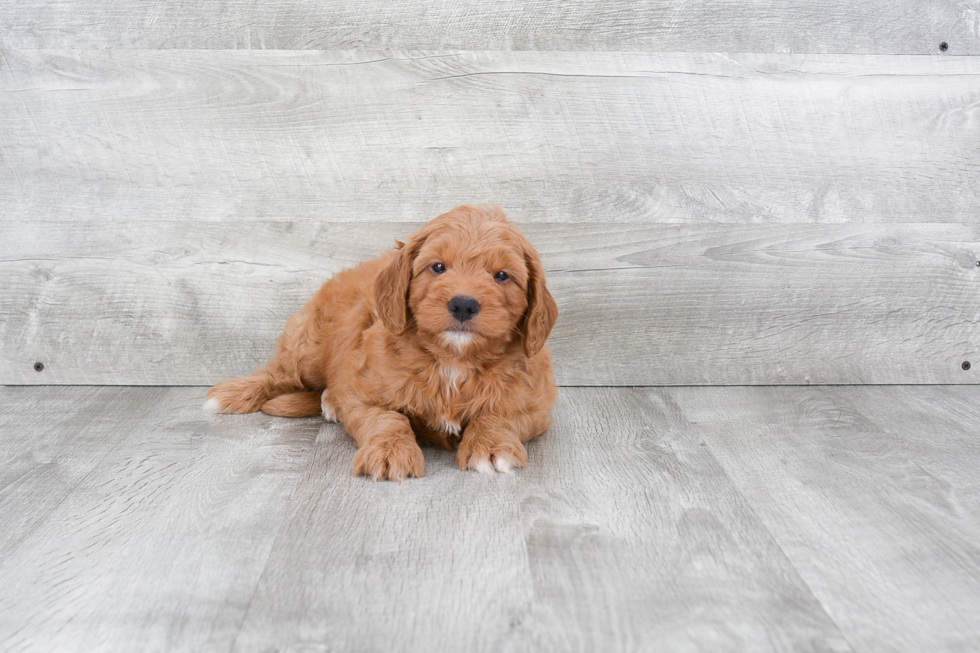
(463, 308)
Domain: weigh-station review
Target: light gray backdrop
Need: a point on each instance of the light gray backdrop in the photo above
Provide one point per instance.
(795, 206)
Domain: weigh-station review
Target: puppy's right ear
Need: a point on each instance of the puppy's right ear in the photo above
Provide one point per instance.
(391, 288)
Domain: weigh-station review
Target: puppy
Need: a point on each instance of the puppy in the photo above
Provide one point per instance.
(439, 341)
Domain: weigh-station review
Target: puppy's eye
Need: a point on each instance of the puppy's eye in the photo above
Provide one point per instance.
(501, 276)
(438, 268)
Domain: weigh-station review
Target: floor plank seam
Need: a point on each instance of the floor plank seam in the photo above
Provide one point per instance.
(772, 537)
(275, 542)
(751, 506)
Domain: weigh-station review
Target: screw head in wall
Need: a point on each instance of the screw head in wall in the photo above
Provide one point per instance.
(943, 46)
(965, 365)
(39, 367)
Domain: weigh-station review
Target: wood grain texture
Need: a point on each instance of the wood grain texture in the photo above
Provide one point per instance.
(131, 523)
(50, 444)
(682, 519)
(799, 26)
(617, 537)
(632, 527)
(194, 302)
(553, 136)
(872, 493)
(438, 564)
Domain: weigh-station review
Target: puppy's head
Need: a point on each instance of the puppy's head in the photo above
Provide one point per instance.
(468, 281)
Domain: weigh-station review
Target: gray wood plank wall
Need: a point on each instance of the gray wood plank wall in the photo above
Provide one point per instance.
(802, 26)
(641, 303)
(802, 213)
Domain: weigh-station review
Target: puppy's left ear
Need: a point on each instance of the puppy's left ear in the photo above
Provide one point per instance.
(542, 311)
(391, 287)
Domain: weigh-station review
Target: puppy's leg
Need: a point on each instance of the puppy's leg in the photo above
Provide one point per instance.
(326, 408)
(386, 444)
(294, 404)
(493, 443)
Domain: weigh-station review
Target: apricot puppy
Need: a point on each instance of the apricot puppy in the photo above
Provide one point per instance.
(440, 341)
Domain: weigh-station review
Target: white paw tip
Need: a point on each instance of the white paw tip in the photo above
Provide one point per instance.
(325, 408)
(482, 465)
(212, 406)
(504, 465)
(450, 427)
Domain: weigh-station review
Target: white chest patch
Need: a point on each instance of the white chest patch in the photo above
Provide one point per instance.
(452, 376)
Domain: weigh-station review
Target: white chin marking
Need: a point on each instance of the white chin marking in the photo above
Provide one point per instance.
(482, 465)
(457, 339)
(503, 464)
(325, 408)
(212, 406)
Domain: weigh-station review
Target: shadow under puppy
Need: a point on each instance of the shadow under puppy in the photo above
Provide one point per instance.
(441, 341)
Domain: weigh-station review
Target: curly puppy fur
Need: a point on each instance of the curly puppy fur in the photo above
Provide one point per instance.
(382, 349)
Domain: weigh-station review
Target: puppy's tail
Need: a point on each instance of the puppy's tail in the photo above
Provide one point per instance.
(261, 391)
(245, 394)
(294, 404)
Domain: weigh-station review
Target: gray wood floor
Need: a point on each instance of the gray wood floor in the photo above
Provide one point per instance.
(681, 519)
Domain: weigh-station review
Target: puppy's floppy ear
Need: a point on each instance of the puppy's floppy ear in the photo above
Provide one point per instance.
(391, 287)
(542, 311)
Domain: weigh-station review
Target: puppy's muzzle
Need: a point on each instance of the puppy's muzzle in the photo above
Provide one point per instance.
(463, 308)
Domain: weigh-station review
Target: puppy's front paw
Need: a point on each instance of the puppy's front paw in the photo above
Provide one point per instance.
(488, 456)
(392, 459)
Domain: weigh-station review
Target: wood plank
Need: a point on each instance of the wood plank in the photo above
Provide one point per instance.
(50, 443)
(554, 136)
(439, 562)
(669, 304)
(815, 26)
(738, 519)
(872, 493)
(158, 523)
(619, 536)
